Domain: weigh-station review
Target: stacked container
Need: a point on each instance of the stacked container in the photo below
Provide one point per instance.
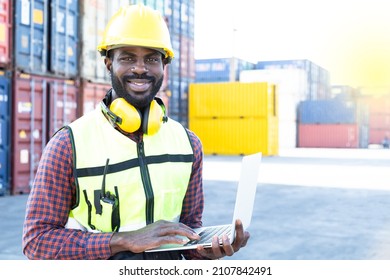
(51, 72)
(235, 118)
(379, 119)
(318, 78)
(328, 124)
(45, 74)
(220, 69)
(5, 95)
(291, 84)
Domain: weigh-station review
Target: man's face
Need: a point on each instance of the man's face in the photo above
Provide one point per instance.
(136, 74)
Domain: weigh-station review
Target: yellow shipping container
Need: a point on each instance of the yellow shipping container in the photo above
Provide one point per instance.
(235, 118)
(237, 136)
(232, 99)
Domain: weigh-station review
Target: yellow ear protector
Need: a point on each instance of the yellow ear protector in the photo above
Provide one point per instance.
(129, 119)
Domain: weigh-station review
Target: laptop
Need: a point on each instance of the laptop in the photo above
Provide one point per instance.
(243, 209)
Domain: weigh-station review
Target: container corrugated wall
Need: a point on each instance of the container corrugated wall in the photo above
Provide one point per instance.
(235, 118)
(5, 141)
(41, 105)
(90, 95)
(46, 37)
(331, 111)
(328, 136)
(5, 33)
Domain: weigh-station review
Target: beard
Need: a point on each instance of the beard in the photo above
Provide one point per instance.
(121, 91)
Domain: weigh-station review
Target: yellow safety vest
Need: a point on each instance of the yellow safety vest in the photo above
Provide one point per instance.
(144, 182)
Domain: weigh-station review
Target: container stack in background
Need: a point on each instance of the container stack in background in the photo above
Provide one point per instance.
(51, 73)
(44, 80)
(234, 118)
(291, 84)
(328, 123)
(379, 119)
(220, 69)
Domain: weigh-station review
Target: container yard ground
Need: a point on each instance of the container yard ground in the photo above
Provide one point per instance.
(311, 204)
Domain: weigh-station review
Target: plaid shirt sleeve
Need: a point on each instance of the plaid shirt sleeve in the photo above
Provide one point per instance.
(48, 206)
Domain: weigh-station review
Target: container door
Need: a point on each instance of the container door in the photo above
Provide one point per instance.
(31, 36)
(63, 104)
(29, 131)
(64, 37)
(4, 134)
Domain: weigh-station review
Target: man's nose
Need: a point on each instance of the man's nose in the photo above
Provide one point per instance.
(139, 67)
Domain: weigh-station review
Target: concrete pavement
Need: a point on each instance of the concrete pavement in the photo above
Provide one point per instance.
(311, 204)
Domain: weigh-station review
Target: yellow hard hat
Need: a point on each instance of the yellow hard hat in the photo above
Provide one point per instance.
(137, 25)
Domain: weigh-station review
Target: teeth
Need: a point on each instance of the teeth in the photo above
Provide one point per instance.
(138, 84)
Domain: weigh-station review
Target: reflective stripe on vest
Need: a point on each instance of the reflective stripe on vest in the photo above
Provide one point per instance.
(149, 179)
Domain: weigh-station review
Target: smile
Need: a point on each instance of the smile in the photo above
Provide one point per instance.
(139, 86)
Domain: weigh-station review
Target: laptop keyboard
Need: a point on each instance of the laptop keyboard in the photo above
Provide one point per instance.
(207, 235)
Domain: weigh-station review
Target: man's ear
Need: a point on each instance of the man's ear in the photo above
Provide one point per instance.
(108, 63)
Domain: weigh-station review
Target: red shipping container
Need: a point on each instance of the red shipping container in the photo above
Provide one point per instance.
(380, 105)
(5, 29)
(328, 136)
(41, 105)
(376, 136)
(379, 121)
(90, 96)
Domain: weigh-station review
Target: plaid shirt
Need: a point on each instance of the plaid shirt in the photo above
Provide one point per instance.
(53, 194)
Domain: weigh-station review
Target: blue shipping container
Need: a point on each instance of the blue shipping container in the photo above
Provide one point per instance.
(64, 37)
(30, 34)
(5, 102)
(46, 37)
(332, 111)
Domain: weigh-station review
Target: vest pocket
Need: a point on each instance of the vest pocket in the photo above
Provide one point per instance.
(104, 214)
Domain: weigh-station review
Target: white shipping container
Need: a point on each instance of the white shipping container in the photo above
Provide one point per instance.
(287, 134)
(292, 82)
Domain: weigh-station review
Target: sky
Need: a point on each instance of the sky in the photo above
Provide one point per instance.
(351, 39)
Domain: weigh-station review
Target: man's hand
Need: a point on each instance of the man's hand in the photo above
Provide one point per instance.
(151, 236)
(218, 250)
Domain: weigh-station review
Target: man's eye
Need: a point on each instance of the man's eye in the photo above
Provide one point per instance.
(127, 59)
(152, 60)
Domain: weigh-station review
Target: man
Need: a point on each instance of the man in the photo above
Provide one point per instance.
(124, 178)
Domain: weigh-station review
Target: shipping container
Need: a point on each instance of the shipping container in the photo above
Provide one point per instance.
(328, 135)
(40, 106)
(46, 37)
(380, 121)
(64, 37)
(376, 136)
(318, 77)
(287, 134)
(237, 136)
(5, 141)
(235, 118)
(332, 111)
(379, 104)
(220, 69)
(94, 16)
(5, 33)
(62, 110)
(90, 96)
(232, 99)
